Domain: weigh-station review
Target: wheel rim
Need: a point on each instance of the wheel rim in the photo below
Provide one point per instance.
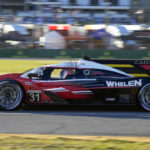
(145, 98)
(10, 95)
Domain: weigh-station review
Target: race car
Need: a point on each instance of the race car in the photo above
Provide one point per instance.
(82, 82)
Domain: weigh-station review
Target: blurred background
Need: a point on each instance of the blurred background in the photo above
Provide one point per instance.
(75, 24)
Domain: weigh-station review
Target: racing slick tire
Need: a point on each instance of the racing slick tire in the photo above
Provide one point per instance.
(144, 97)
(11, 94)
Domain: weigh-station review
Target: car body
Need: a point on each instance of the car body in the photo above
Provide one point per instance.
(83, 82)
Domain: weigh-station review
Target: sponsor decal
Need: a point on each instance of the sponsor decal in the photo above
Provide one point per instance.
(142, 62)
(28, 83)
(112, 99)
(132, 83)
(34, 95)
(34, 91)
(86, 72)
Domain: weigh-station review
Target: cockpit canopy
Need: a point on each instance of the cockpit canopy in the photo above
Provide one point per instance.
(74, 70)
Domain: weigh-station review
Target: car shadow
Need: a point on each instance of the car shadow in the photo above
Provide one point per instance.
(123, 112)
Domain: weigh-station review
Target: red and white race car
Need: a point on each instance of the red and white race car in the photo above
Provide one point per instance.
(84, 82)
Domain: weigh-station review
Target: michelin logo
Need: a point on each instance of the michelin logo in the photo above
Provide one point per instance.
(132, 83)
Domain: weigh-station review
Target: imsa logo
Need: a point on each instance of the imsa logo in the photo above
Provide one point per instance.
(132, 83)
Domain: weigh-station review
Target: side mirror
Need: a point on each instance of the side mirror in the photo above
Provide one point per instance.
(31, 75)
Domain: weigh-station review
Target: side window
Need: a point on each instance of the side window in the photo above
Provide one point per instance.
(62, 74)
(55, 74)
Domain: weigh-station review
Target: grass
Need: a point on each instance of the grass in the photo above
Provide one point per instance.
(18, 66)
(48, 142)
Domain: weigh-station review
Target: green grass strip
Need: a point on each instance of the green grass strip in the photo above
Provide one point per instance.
(60, 142)
(19, 66)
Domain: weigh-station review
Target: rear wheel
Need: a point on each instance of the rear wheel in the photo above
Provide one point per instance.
(11, 94)
(144, 97)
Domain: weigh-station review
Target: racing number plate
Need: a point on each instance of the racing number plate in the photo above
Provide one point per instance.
(34, 96)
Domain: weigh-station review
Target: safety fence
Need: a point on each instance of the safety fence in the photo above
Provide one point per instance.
(69, 53)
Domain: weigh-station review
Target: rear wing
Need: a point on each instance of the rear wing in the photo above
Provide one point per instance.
(137, 68)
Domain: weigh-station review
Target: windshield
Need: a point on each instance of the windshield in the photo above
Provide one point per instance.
(38, 71)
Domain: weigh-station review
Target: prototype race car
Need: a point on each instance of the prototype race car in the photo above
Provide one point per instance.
(85, 82)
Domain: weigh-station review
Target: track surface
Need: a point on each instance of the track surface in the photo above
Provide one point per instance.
(76, 122)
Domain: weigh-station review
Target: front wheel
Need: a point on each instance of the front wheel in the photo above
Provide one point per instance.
(11, 94)
(144, 97)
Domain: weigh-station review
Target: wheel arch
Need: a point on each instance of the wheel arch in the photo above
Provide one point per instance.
(16, 82)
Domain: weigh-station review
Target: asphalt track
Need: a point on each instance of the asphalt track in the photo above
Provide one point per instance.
(76, 122)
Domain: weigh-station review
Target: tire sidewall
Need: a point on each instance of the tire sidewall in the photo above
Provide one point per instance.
(19, 89)
(140, 98)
